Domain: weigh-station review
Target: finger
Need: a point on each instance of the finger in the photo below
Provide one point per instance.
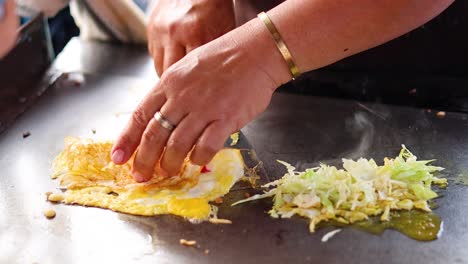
(152, 144)
(130, 137)
(210, 142)
(10, 17)
(158, 58)
(181, 142)
(9, 6)
(173, 54)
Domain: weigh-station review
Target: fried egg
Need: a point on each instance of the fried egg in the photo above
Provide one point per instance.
(85, 172)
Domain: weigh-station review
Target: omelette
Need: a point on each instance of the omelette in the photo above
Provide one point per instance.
(88, 177)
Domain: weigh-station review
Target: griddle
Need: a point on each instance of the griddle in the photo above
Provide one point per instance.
(302, 130)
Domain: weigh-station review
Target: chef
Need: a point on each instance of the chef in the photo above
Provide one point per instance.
(216, 77)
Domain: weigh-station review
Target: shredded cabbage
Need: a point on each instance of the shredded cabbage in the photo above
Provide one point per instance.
(360, 190)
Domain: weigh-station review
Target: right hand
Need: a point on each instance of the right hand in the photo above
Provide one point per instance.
(178, 26)
(210, 93)
(9, 24)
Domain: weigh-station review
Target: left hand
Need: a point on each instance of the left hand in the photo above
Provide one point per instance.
(212, 92)
(177, 27)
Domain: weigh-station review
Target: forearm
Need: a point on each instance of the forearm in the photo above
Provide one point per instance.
(321, 32)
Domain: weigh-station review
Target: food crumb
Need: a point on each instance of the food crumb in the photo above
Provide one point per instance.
(441, 114)
(220, 221)
(207, 251)
(189, 243)
(26, 134)
(55, 197)
(218, 200)
(93, 131)
(49, 213)
(329, 235)
(246, 195)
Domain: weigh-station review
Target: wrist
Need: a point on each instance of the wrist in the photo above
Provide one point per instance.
(255, 41)
(266, 53)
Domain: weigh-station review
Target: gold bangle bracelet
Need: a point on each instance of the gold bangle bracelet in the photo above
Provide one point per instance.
(283, 49)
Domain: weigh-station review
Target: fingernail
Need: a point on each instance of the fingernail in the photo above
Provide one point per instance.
(139, 177)
(118, 156)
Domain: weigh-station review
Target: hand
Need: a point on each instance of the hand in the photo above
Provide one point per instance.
(177, 27)
(9, 24)
(210, 93)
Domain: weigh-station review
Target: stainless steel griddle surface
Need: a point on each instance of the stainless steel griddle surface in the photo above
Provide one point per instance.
(298, 129)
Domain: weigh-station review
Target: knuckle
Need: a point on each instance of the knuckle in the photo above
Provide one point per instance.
(172, 28)
(157, 23)
(169, 167)
(168, 78)
(140, 118)
(204, 153)
(197, 160)
(151, 135)
(141, 167)
(177, 145)
(208, 149)
(138, 165)
(151, 29)
(125, 140)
